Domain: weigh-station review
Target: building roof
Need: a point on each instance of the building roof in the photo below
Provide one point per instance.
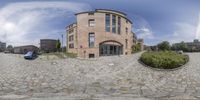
(101, 10)
(112, 11)
(48, 40)
(71, 24)
(26, 46)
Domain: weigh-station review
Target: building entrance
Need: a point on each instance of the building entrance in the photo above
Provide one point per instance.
(110, 49)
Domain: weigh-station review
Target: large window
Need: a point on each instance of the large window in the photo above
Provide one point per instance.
(119, 25)
(109, 49)
(91, 22)
(113, 23)
(71, 38)
(107, 23)
(91, 39)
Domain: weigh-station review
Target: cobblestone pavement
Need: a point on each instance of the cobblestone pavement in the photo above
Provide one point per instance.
(105, 78)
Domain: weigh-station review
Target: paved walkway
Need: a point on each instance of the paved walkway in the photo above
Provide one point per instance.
(106, 78)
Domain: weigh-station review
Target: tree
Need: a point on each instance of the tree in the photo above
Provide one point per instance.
(183, 46)
(164, 46)
(58, 44)
(136, 48)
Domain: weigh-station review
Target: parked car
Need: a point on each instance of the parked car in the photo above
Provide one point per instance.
(180, 52)
(6, 51)
(30, 55)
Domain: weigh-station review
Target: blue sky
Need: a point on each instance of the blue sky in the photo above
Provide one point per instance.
(26, 21)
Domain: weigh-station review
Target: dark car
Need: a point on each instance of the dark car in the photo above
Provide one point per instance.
(30, 55)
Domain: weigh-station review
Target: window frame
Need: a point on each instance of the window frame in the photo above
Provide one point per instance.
(119, 25)
(126, 43)
(107, 23)
(91, 43)
(126, 30)
(71, 45)
(71, 38)
(114, 23)
(91, 24)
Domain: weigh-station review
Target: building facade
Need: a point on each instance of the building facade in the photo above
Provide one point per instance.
(2, 46)
(141, 42)
(48, 45)
(100, 33)
(194, 45)
(25, 49)
(190, 46)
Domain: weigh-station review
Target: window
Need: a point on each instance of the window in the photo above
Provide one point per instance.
(126, 30)
(71, 38)
(113, 23)
(127, 21)
(111, 49)
(90, 13)
(107, 23)
(71, 31)
(91, 55)
(91, 40)
(71, 45)
(126, 43)
(119, 25)
(91, 22)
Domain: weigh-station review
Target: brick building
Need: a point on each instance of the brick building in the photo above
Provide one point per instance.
(48, 45)
(25, 49)
(100, 33)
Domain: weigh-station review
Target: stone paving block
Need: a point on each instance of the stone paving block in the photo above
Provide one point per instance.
(41, 76)
(13, 97)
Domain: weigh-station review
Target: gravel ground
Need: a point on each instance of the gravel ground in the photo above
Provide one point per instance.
(105, 78)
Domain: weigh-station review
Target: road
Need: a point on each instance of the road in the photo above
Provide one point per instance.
(105, 78)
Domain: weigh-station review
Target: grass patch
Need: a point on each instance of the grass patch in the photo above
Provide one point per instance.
(61, 55)
(70, 55)
(164, 59)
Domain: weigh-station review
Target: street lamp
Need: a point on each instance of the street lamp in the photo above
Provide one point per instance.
(62, 42)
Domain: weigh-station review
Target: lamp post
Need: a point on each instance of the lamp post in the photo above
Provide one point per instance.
(62, 42)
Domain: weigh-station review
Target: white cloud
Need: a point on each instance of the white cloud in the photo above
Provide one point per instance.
(20, 20)
(198, 29)
(183, 32)
(142, 28)
(145, 33)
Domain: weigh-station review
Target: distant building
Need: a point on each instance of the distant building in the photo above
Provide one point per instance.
(48, 45)
(25, 49)
(192, 46)
(152, 48)
(141, 42)
(134, 38)
(146, 47)
(2, 46)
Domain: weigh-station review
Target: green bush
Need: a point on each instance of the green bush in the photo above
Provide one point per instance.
(164, 59)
